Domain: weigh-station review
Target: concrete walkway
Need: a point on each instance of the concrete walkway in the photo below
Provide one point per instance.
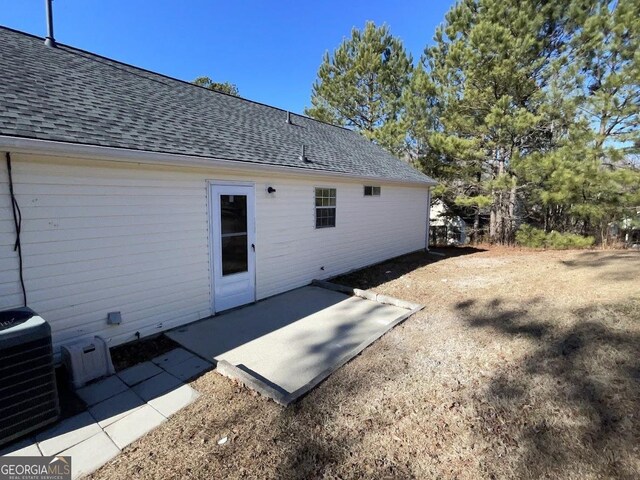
(288, 341)
(121, 409)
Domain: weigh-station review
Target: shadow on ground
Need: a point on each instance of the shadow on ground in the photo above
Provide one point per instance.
(618, 267)
(317, 450)
(482, 385)
(567, 408)
(572, 403)
(394, 268)
(596, 259)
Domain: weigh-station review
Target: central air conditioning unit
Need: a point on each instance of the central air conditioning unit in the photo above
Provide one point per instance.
(28, 393)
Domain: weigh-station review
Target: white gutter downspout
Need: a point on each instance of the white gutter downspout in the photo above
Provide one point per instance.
(426, 242)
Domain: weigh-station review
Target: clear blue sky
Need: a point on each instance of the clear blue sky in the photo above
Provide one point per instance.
(270, 49)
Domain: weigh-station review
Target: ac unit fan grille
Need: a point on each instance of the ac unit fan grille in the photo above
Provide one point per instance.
(28, 393)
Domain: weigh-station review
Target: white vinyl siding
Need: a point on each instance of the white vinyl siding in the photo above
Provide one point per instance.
(100, 239)
(291, 251)
(104, 236)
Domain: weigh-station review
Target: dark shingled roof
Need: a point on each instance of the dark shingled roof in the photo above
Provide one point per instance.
(68, 95)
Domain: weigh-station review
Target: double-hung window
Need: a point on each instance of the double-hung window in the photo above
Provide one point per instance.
(325, 207)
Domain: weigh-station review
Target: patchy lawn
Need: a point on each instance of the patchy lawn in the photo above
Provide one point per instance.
(522, 365)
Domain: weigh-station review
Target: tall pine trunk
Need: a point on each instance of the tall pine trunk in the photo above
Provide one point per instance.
(503, 214)
(496, 217)
(512, 225)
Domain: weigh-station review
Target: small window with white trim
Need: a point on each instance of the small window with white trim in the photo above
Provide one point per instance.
(325, 207)
(371, 191)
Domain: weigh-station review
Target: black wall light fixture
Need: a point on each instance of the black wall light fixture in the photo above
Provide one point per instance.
(271, 190)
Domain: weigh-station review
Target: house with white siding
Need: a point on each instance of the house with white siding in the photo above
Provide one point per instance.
(123, 190)
(445, 227)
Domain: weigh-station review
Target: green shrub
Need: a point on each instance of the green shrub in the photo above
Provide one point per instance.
(532, 237)
(528, 236)
(560, 241)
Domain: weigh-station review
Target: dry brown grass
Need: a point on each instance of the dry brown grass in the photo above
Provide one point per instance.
(523, 365)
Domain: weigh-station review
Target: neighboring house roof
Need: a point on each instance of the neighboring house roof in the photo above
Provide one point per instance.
(68, 95)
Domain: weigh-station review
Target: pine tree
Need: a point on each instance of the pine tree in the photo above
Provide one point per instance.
(525, 111)
(589, 180)
(360, 86)
(489, 72)
(224, 87)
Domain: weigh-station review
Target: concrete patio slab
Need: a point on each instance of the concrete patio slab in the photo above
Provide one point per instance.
(156, 386)
(134, 426)
(289, 341)
(189, 368)
(101, 390)
(24, 448)
(174, 400)
(91, 454)
(139, 373)
(115, 408)
(172, 358)
(67, 433)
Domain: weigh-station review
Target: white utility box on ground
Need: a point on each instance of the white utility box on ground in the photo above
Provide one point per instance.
(87, 360)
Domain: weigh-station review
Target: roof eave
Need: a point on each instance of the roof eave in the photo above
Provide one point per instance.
(97, 152)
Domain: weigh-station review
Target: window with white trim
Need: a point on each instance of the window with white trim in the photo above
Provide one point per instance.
(371, 191)
(325, 207)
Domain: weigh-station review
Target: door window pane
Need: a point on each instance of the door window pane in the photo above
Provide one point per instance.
(233, 220)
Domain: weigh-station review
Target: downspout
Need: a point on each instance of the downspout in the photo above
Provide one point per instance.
(426, 240)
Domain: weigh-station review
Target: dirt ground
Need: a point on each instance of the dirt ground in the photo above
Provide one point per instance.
(522, 365)
(130, 354)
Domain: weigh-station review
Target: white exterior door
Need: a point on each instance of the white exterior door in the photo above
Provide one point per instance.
(233, 245)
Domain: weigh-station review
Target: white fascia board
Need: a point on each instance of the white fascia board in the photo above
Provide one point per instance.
(95, 152)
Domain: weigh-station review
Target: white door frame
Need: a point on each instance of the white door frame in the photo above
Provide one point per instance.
(214, 236)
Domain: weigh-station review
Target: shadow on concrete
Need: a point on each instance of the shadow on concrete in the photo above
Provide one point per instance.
(118, 412)
(371, 277)
(70, 403)
(226, 331)
(314, 455)
(291, 340)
